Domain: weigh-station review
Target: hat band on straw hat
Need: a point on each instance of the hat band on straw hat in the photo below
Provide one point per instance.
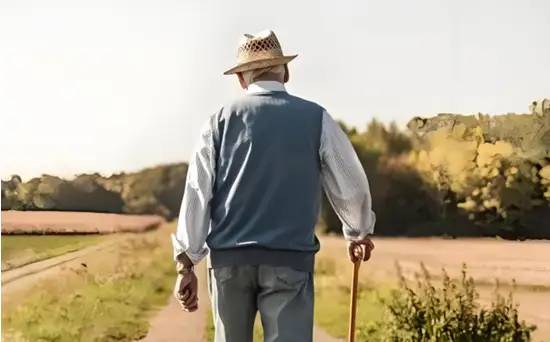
(260, 63)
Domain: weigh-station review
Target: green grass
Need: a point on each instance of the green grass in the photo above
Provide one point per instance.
(111, 302)
(332, 308)
(18, 250)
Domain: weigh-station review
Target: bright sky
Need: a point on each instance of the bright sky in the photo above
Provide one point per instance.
(112, 85)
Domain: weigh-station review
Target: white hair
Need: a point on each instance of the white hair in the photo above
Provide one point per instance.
(251, 76)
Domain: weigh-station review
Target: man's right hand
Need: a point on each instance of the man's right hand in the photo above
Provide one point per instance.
(360, 249)
(185, 291)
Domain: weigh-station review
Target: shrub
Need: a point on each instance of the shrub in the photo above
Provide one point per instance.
(447, 313)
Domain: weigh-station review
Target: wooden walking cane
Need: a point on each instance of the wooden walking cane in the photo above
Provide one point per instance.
(353, 303)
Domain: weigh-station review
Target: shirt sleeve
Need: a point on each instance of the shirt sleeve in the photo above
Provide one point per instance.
(194, 216)
(345, 182)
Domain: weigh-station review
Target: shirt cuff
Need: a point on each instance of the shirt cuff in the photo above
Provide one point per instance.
(180, 248)
(352, 234)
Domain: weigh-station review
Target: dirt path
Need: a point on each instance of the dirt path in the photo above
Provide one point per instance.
(21, 279)
(172, 324)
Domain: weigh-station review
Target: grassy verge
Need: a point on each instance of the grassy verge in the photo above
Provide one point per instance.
(19, 250)
(109, 300)
(332, 308)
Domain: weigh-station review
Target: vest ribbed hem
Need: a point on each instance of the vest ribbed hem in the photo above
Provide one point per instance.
(299, 260)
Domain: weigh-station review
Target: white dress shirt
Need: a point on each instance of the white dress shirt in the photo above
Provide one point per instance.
(344, 182)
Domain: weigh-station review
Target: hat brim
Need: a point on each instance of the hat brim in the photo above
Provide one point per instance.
(258, 64)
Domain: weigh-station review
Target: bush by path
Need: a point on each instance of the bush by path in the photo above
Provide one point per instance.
(450, 313)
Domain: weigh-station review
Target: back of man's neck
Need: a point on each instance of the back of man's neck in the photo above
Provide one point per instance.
(265, 86)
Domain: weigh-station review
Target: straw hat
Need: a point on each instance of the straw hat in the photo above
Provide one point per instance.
(259, 51)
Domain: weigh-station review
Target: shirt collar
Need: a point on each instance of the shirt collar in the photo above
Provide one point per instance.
(265, 86)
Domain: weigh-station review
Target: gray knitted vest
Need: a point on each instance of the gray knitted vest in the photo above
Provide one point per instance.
(267, 190)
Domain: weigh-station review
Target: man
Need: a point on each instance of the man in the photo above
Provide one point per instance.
(252, 199)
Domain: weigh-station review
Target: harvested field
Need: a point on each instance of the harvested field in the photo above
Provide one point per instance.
(66, 222)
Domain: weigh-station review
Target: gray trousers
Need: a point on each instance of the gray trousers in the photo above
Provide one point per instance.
(282, 295)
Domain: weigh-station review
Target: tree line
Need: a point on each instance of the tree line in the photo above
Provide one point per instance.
(455, 175)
